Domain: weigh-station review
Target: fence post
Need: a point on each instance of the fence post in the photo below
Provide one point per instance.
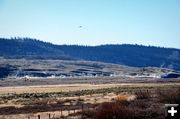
(68, 111)
(61, 112)
(74, 110)
(49, 116)
(39, 117)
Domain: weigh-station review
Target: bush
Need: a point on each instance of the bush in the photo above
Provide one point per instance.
(113, 110)
(143, 94)
(169, 96)
(122, 99)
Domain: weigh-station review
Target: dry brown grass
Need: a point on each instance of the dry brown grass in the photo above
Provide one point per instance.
(113, 110)
(171, 96)
(120, 98)
(78, 87)
(143, 94)
(120, 106)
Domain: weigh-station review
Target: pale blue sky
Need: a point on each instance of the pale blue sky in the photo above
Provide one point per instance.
(147, 22)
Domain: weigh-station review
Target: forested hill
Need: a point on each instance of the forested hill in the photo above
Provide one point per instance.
(131, 55)
(29, 48)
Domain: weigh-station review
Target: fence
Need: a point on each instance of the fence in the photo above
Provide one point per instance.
(62, 113)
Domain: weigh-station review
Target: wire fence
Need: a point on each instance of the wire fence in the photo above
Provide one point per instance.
(64, 113)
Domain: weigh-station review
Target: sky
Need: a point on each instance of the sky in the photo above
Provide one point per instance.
(93, 22)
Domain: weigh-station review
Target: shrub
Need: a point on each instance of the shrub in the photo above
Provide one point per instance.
(113, 110)
(122, 99)
(86, 114)
(143, 94)
(169, 95)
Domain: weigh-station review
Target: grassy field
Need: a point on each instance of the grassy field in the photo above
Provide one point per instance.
(97, 101)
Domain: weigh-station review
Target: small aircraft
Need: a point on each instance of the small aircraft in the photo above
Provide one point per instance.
(80, 26)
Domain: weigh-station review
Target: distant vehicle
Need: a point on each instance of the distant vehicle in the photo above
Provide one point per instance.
(171, 75)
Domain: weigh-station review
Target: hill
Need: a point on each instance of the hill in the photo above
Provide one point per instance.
(29, 48)
(125, 54)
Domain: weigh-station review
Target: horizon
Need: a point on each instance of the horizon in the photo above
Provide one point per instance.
(24, 38)
(93, 23)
